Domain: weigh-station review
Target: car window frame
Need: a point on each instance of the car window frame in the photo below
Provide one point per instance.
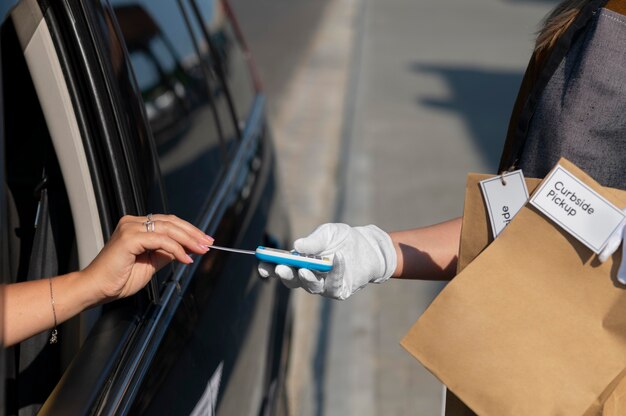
(85, 380)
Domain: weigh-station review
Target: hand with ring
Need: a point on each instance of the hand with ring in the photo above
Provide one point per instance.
(138, 248)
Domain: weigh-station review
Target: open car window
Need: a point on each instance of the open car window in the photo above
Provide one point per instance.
(52, 223)
(41, 238)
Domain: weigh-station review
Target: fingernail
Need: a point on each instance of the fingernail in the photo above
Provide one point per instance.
(189, 258)
(209, 239)
(203, 241)
(203, 247)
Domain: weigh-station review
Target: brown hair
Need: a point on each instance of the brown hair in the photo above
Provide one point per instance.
(557, 22)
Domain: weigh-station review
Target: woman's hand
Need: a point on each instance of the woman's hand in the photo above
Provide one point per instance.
(137, 250)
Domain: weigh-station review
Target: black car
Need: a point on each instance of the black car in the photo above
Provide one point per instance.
(116, 107)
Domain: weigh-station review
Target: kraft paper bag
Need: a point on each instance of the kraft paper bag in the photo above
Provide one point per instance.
(534, 325)
(476, 235)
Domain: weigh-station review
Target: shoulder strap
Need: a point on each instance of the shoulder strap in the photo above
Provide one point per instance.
(539, 71)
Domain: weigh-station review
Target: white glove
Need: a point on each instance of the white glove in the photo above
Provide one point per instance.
(618, 237)
(361, 255)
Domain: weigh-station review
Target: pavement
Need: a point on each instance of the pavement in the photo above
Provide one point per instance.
(393, 102)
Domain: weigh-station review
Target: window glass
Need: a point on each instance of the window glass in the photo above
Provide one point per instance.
(231, 54)
(212, 65)
(180, 107)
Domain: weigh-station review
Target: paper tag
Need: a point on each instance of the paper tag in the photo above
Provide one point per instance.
(577, 208)
(504, 198)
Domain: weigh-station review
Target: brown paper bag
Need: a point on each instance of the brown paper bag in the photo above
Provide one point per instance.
(534, 325)
(615, 405)
(475, 237)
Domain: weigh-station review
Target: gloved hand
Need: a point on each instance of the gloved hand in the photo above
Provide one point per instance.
(361, 255)
(618, 237)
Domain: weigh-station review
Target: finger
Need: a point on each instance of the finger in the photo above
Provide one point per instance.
(188, 227)
(127, 218)
(621, 272)
(185, 225)
(181, 235)
(154, 241)
(266, 270)
(288, 276)
(160, 258)
(133, 218)
(315, 242)
(325, 238)
(611, 246)
(311, 282)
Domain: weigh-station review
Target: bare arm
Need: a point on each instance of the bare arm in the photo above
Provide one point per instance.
(428, 253)
(28, 305)
(124, 266)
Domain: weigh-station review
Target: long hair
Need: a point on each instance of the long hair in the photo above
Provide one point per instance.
(557, 22)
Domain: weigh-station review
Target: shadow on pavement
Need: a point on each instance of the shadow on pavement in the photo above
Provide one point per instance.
(483, 98)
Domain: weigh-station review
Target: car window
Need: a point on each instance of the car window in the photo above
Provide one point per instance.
(191, 134)
(41, 241)
(213, 64)
(236, 65)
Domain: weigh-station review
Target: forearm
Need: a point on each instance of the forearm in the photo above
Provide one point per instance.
(28, 305)
(428, 253)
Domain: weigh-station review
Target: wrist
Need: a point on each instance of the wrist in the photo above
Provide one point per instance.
(86, 290)
(399, 258)
(386, 249)
(390, 254)
(69, 295)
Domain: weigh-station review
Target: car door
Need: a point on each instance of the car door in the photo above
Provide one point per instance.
(216, 171)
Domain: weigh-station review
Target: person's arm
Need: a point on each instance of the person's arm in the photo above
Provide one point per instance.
(428, 253)
(28, 305)
(126, 264)
(367, 254)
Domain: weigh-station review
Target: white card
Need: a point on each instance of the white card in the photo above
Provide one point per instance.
(577, 208)
(504, 198)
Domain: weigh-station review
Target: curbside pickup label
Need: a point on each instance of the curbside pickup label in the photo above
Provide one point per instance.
(577, 208)
(504, 196)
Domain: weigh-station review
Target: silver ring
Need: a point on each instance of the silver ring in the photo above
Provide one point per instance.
(149, 217)
(149, 226)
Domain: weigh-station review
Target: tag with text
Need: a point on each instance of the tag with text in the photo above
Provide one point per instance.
(577, 208)
(504, 196)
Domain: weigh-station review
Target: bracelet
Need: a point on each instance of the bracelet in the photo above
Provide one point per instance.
(53, 334)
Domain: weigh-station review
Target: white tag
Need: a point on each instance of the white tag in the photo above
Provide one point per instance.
(504, 199)
(577, 208)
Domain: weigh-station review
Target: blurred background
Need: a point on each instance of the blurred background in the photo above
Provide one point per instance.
(379, 109)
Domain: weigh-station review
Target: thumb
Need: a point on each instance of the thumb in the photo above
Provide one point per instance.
(612, 245)
(621, 272)
(324, 237)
